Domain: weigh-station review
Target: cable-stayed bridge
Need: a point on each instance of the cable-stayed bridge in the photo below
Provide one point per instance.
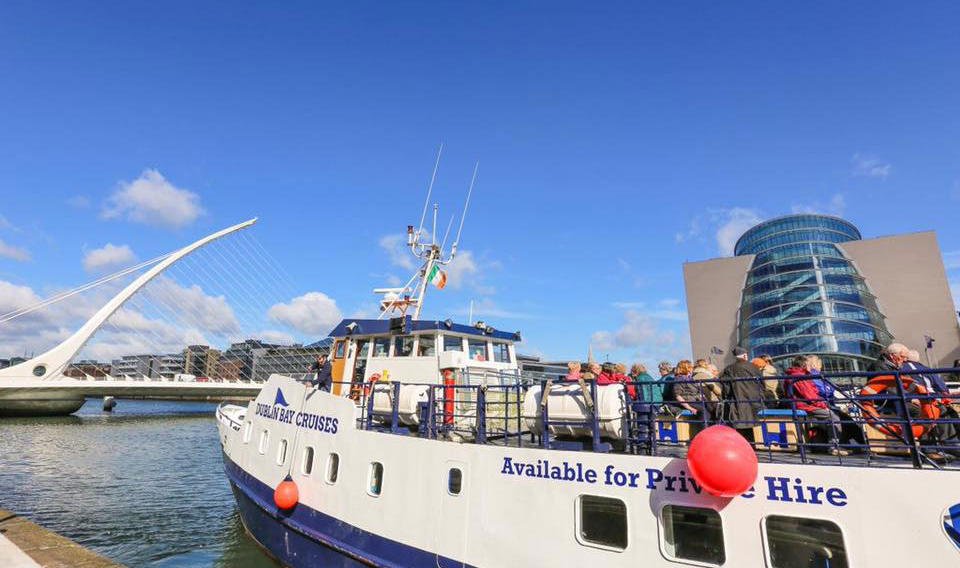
(213, 295)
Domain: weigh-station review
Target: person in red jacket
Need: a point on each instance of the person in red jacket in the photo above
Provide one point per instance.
(809, 399)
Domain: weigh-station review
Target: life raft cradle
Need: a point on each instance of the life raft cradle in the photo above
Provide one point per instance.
(905, 387)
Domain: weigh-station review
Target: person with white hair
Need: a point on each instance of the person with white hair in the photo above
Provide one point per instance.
(933, 382)
(891, 358)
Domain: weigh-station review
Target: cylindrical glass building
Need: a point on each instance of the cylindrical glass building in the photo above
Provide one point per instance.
(803, 296)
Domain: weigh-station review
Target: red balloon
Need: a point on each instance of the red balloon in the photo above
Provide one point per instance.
(286, 494)
(722, 461)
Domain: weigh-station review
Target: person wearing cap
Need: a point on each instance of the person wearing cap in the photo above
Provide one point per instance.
(323, 379)
(743, 399)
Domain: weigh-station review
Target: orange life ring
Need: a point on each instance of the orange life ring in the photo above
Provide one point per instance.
(367, 387)
(879, 385)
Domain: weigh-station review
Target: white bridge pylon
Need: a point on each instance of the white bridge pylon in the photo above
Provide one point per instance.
(51, 364)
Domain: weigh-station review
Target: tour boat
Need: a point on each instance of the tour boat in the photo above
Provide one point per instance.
(433, 449)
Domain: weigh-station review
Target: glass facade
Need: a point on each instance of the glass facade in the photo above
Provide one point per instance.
(802, 296)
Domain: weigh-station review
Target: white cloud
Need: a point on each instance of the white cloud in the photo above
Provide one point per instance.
(951, 260)
(396, 248)
(734, 223)
(13, 253)
(194, 307)
(836, 206)
(153, 200)
(463, 269)
(866, 165)
(636, 330)
(107, 256)
(312, 313)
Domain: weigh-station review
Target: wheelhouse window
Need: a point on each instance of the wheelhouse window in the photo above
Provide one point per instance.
(426, 346)
(375, 482)
(307, 460)
(339, 350)
(693, 533)
(795, 542)
(452, 343)
(602, 521)
(501, 352)
(282, 452)
(477, 349)
(402, 346)
(454, 481)
(381, 347)
(333, 467)
(362, 348)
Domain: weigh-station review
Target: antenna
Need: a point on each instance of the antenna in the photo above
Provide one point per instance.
(453, 249)
(433, 178)
(447, 234)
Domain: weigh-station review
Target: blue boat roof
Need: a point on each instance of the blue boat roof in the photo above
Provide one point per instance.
(382, 326)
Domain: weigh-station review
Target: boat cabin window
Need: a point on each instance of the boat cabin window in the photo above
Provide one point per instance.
(477, 349)
(693, 533)
(362, 348)
(264, 438)
(402, 346)
(602, 521)
(454, 481)
(282, 452)
(501, 352)
(452, 343)
(308, 460)
(794, 542)
(375, 483)
(339, 349)
(381, 347)
(426, 346)
(333, 467)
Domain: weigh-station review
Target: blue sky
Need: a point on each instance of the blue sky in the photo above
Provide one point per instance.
(615, 143)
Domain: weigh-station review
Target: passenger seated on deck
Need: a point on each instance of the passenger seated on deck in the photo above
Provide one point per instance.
(648, 391)
(797, 368)
(689, 391)
(812, 397)
(573, 372)
(620, 375)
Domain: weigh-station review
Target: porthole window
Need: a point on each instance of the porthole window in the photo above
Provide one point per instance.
(307, 460)
(282, 452)
(693, 533)
(264, 439)
(247, 430)
(794, 542)
(39, 370)
(333, 467)
(454, 481)
(375, 483)
(602, 522)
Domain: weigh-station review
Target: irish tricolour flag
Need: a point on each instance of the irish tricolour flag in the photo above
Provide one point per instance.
(437, 277)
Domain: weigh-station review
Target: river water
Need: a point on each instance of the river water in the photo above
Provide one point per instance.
(143, 485)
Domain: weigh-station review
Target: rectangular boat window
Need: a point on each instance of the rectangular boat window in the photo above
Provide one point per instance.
(333, 467)
(478, 349)
(339, 349)
(381, 347)
(426, 346)
(454, 481)
(693, 533)
(402, 346)
(264, 438)
(375, 483)
(308, 460)
(362, 348)
(794, 542)
(282, 452)
(501, 352)
(602, 521)
(247, 430)
(452, 343)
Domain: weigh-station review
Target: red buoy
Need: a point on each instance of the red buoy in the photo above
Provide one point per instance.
(286, 494)
(722, 461)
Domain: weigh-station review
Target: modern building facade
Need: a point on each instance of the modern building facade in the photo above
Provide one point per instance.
(807, 283)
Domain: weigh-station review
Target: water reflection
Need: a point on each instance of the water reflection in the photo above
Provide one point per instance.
(143, 485)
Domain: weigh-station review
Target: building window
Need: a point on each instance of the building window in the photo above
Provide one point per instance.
(308, 460)
(402, 346)
(454, 481)
(247, 430)
(333, 467)
(381, 347)
(602, 522)
(477, 349)
(375, 482)
(264, 439)
(282, 452)
(427, 346)
(452, 343)
(501, 352)
(692, 533)
(794, 542)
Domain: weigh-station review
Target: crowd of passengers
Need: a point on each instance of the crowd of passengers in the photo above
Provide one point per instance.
(701, 390)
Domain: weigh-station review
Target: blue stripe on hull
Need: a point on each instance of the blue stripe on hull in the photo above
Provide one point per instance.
(306, 537)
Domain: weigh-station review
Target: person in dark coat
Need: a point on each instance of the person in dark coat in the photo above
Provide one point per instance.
(323, 379)
(742, 399)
